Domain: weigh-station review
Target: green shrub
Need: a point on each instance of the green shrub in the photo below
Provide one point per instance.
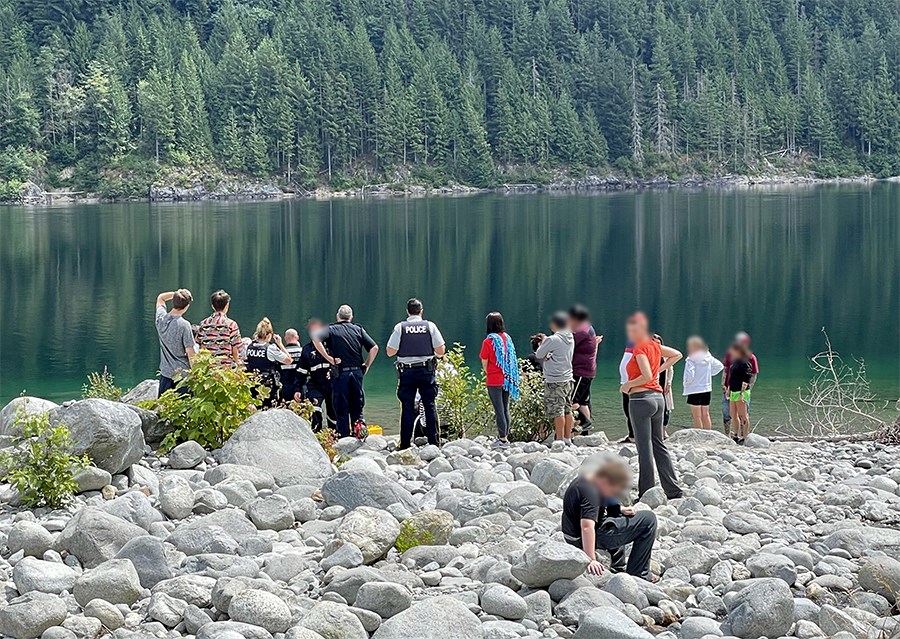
(40, 464)
(101, 385)
(527, 413)
(463, 406)
(410, 536)
(217, 400)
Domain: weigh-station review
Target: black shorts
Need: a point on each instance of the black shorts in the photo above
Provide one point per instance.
(582, 394)
(699, 399)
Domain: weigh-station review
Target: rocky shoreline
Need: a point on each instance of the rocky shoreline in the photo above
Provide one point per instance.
(266, 538)
(250, 190)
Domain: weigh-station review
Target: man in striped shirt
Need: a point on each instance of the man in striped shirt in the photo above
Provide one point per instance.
(220, 334)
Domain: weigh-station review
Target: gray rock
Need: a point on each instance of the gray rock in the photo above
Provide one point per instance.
(134, 507)
(271, 513)
(209, 500)
(202, 540)
(186, 455)
(833, 621)
(540, 606)
(232, 630)
(608, 623)
(764, 608)
(142, 392)
(176, 497)
(371, 530)
(275, 440)
(581, 600)
(260, 608)
(148, 555)
(154, 429)
(696, 437)
(230, 519)
(857, 541)
(239, 492)
(58, 632)
(348, 582)
(260, 478)
(625, 588)
(503, 602)
(92, 478)
(757, 441)
(110, 616)
(29, 406)
(700, 627)
(107, 432)
(363, 488)
(28, 616)
(549, 474)
(421, 556)
(881, 575)
(655, 497)
(194, 589)
(433, 526)
(194, 619)
(695, 558)
(769, 565)
(46, 576)
(29, 537)
(346, 556)
(545, 562)
(384, 599)
(95, 536)
(115, 581)
(166, 610)
(437, 618)
(298, 632)
(334, 621)
(745, 523)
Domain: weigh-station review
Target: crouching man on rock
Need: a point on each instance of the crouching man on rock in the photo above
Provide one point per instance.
(593, 519)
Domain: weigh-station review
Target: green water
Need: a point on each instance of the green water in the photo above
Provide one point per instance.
(79, 283)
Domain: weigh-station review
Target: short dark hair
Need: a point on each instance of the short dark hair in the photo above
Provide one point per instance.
(219, 300)
(182, 299)
(579, 313)
(559, 319)
(414, 306)
(536, 340)
(494, 323)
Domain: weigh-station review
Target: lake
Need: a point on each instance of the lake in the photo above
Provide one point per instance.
(79, 283)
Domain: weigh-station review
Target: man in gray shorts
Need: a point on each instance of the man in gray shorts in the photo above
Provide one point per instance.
(556, 351)
(176, 339)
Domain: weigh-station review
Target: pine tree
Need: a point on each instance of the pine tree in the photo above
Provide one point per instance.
(637, 138)
(157, 112)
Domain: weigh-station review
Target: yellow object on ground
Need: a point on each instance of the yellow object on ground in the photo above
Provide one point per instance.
(375, 430)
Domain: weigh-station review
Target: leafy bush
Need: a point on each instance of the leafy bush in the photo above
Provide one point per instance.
(527, 413)
(463, 406)
(40, 464)
(410, 536)
(327, 439)
(101, 385)
(213, 402)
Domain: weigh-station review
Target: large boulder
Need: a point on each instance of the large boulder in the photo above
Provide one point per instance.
(857, 541)
(95, 536)
(371, 530)
(115, 581)
(28, 616)
(282, 443)
(545, 562)
(107, 432)
(144, 391)
(694, 437)
(334, 621)
(437, 618)
(352, 489)
(260, 608)
(134, 507)
(148, 554)
(45, 576)
(881, 575)
(29, 537)
(427, 527)
(607, 623)
(29, 405)
(549, 474)
(764, 608)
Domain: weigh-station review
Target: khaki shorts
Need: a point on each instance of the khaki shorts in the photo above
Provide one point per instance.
(557, 399)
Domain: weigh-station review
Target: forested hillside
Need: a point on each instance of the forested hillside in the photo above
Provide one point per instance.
(345, 91)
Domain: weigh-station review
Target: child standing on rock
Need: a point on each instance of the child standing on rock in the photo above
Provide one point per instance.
(740, 376)
(699, 369)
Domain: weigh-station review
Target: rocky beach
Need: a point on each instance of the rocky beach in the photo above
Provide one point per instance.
(267, 538)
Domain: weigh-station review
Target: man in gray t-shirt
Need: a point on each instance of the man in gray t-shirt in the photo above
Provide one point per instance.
(176, 340)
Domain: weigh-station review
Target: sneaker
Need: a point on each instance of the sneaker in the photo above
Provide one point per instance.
(360, 430)
(736, 439)
(740, 441)
(626, 440)
(500, 444)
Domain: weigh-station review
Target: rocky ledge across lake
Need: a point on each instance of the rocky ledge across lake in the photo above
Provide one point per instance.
(772, 540)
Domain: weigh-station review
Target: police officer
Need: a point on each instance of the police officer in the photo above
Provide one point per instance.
(264, 357)
(417, 343)
(289, 375)
(314, 373)
(342, 345)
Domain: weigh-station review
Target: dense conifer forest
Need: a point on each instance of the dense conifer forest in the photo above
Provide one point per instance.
(102, 95)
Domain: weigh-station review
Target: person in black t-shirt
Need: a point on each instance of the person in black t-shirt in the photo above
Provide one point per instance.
(592, 518)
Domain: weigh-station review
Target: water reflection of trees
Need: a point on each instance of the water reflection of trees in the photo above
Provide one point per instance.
(79, 283)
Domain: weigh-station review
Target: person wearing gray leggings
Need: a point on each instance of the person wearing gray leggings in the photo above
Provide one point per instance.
(500, 401)
(647, 405)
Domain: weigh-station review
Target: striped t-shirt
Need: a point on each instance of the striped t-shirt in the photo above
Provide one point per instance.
(219, 335)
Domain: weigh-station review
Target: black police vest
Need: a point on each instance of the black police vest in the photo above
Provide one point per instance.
(295, 351)
(415, 339)
(258, 361)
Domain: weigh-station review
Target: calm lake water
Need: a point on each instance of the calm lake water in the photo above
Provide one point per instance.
(79, 283)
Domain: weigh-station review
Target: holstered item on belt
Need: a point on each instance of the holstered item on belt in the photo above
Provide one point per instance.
(430, 365)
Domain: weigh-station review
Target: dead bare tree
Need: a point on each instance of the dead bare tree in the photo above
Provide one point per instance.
(837, 401)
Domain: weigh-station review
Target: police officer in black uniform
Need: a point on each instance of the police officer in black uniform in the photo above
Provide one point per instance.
(342, 344)
(417, 343)
(314, 379)
(290, 385)
(264, 355)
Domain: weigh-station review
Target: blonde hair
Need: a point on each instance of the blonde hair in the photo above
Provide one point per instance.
(263, 329)
(696, 340)
(616, 472)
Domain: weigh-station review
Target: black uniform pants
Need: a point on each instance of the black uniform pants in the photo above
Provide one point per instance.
(320, 396)
(349, 399)
(419, 380)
